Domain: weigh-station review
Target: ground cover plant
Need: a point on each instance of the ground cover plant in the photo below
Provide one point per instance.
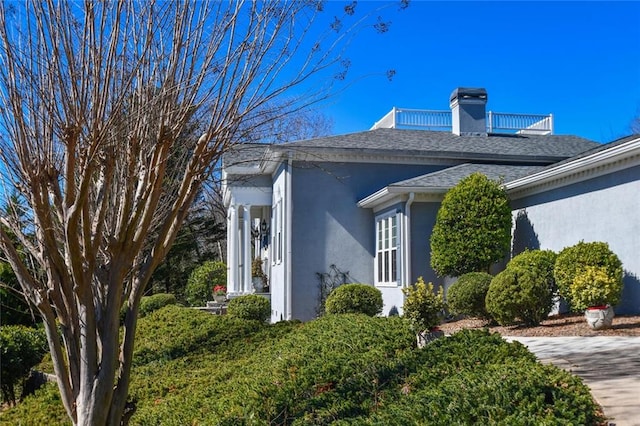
(196, 368)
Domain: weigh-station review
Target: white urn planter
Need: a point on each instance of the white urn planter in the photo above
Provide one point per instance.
(424, 337)
(258, 284)
(599, 317)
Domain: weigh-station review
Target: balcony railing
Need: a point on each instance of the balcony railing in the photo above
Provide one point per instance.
(497, 122)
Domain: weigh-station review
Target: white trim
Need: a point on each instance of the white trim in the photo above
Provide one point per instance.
(406, 253)
(392, 194)
(603, 162)
(384, 218)
(288, 227)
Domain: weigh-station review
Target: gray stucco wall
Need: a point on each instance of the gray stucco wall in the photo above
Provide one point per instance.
(423, 218)
(606, 208)
(328, 226)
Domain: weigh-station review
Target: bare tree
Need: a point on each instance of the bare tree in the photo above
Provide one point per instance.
(94, 100)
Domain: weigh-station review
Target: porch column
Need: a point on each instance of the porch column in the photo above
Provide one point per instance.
(247, 248)
(232, 250)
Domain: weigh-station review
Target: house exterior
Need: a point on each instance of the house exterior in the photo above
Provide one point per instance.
(360, 207)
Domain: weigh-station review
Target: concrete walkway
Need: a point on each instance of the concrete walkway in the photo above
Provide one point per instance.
(610, 366)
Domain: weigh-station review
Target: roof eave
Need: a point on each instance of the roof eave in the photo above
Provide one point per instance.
(606, 161)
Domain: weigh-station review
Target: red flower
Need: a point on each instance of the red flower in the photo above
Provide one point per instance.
(219, 289)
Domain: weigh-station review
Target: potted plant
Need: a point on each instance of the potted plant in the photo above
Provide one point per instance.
(424, 308)
(595, 292)
(589, 277)
(220, 293)
(258, 276)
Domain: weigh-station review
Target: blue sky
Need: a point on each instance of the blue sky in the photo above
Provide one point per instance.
(577, 60)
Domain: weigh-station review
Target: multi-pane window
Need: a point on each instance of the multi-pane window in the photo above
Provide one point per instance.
(387, 250)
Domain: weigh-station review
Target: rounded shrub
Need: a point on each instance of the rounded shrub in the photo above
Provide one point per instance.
(423, 307)
(540, 262)
(467, 295)
(200, 284)
(594, 287)
(473, 227)
(573, 261)
(354, 299)
(518, 294)
(21, 348)
(250, 307)
(152, 303)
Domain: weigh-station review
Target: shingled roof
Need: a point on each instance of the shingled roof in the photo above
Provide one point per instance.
(499, 148)
(426, 142)
(450, 177)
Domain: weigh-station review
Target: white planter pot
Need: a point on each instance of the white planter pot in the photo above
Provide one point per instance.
(424, 337)
(599, 318)
(258, 284)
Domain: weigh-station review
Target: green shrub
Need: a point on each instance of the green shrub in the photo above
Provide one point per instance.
(21, 348)
(152, 303)
(527, 292)
(473, 227)
(340, 369)
(594, 287)
(467, 295)
(573, 261)
(354, 299)
(519, 293)
(422, 306)
(540, 262)
(200, 285)
(250, 307)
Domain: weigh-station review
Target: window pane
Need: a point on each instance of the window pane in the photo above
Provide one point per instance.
(386, 266)
(386, 234)
(379, 267)
(394, 232)
(394, 270)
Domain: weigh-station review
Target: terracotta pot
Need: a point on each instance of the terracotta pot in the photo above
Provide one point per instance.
(599, 317)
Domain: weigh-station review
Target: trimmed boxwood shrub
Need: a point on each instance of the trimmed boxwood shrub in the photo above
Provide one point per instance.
(200, 285)
(467, 295)
(21, 348)
(250, 307)
(154, 302)
(354, 299)
(525, 290)
(423, 307)
(573, 261)
(473, 227)
(518, 294)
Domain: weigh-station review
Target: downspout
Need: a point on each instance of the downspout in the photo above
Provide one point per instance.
(289, 229)
(407, 240)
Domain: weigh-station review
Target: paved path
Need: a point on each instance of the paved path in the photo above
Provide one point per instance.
(610, 366)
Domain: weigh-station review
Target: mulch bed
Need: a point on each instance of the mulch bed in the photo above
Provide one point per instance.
(557, 325)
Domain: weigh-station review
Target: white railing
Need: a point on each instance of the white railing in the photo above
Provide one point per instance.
(402, 118)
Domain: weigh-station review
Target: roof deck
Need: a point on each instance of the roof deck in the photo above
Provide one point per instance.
(496, 122)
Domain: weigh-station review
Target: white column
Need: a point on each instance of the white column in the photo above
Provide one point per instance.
(247, 249)
(232, 250)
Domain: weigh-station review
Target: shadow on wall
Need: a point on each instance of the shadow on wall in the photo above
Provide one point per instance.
(630, 301)
(524, 235)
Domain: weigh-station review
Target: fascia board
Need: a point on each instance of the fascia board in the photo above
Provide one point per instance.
(393, 194)
(599, 163)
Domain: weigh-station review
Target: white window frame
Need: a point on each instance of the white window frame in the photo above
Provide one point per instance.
(388, 254)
